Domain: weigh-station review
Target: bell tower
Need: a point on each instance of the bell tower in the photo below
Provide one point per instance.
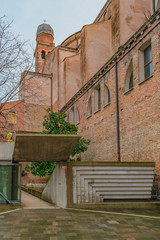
(44, 39)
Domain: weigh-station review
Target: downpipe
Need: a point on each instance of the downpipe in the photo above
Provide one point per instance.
(117, 113)
(51, 93)
(154, 6)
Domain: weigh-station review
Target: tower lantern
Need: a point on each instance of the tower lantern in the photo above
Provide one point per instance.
(45, 44)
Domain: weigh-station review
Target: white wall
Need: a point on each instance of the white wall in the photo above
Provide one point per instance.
(6, 150)
(56, 190)
(95, 184)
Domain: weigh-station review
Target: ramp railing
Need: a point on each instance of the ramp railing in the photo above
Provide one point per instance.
(5, 198)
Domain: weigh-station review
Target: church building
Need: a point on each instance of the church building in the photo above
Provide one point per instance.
(106, 78)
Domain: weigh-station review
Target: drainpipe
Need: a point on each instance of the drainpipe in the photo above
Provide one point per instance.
(154, 6)
(117, 113)
(51, 92)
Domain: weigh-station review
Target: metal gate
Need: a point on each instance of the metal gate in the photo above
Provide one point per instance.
(10, 183)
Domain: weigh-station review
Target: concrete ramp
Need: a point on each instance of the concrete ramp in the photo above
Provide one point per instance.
(42, 147)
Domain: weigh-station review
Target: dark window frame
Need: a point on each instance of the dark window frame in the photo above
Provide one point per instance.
(99, 98)
(89, 107)
(131, 81)
(148, 63)
(43, 54)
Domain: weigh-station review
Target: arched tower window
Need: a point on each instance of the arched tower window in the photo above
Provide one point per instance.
(104, 15)
(107, 97)
(89, 108)
(129, 78)
(77, 116)
(43, 54)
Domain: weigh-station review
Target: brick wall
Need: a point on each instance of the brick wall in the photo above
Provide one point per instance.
(18, 108)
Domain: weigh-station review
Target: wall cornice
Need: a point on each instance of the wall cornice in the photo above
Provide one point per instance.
(67, 49)
(38, 74)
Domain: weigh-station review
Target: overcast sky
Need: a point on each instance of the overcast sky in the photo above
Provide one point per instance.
(65, 16)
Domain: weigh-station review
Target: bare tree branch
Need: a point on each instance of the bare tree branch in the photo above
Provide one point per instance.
(14, 59)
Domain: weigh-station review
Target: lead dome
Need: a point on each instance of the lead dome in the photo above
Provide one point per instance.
(45, 28)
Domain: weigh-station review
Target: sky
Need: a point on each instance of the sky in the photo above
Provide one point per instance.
(65, 16)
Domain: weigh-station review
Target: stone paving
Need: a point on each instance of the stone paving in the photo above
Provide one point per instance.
(40, 220)
(61, 224)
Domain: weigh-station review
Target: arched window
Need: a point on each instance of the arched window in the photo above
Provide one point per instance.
(129, 78)
(67, 117)
(148, 70)
(43, 54)
(131, 81)
(145, 61)
(158, 4)
(77, 116)
(97, 98)
(107, 97)
(72, 115)
(89, 108)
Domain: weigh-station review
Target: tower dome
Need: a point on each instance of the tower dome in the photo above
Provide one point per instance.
(45, 28)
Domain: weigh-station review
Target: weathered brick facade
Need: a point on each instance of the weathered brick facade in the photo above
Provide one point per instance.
(5, 126)
(138, 108)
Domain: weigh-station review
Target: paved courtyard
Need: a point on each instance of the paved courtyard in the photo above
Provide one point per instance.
(59, 224)
(40, 221)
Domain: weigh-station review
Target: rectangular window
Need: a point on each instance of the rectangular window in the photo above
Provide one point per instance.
(148, 70)
(12, 117)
